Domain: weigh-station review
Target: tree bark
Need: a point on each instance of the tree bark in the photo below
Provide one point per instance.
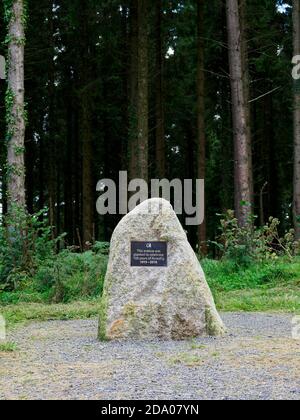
(160, 112)
(296, 206)
(133, 88)
(16, 111)
(50, 147)
(29, 180)
(87, 175)
(201, 138)
(246, 84)
(86, 135)
(143, 124)
(242, 143)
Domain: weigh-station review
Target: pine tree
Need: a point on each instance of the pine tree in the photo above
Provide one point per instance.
(243, 166)
(143, 106)
(296, 24)
(159, 93)
(201, 143)
(16, 107)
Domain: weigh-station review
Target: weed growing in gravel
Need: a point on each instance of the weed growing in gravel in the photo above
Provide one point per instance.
(7, 347)
(186, 359)
(196, 346)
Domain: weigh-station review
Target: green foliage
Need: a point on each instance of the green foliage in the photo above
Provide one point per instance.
(7, 10)
(226, 275)
(245, 245)
(25, 242)
(279, 299)
(7, 347)
(21, 312)
(263, 286)
(69, 276)
(9, 102)
(32, 268)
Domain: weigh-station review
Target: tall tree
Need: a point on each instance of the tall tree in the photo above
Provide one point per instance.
(143, 107)
(296, 25)
(16, 107)
(201, 137)
(160, 112)
(86, 129)
(133, 90)
(246, 85)
(243, 165)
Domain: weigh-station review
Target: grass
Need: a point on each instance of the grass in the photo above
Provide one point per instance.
(186, 359)
(7, 347)
(279, 299)
(25, 312)
(264, 287)
(271, 286)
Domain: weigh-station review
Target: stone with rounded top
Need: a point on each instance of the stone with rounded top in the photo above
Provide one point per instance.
(149, 302)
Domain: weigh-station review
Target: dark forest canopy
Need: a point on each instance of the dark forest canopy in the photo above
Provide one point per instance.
(145, 87)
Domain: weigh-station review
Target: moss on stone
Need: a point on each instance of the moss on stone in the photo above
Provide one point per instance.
(129, 310)
(212, 326)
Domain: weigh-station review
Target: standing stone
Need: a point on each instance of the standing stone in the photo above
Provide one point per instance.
(156, 289)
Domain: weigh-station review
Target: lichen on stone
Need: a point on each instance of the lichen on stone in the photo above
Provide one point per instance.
(213, 327)
(102, 319)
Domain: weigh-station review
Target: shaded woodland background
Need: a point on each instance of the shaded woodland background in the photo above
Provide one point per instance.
(97, 73)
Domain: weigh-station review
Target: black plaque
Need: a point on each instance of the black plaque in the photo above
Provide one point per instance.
(149, 254)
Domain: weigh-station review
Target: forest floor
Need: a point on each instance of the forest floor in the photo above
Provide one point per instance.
(257, 359)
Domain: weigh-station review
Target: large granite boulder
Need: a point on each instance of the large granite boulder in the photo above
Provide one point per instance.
(155, 286)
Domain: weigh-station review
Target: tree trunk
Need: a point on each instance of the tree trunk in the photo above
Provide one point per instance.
(201, 138)
(246, 84)
(124, 149)
(296, 207)
(41, 172)
(242, 143)
(87, 174)
(133, 89)
(70, 171)
(160, 113)
(29, 180)
(50, 147)
(86, 135)
(16, 111)
(143, 124)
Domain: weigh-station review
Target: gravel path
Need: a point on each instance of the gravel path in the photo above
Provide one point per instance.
(62, 360)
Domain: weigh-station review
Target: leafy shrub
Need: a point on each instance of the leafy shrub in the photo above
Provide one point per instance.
(25, 242)
(243, 245)
(69, 276)
(31, 267)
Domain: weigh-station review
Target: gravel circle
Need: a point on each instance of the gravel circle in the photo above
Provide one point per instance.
(257, 359)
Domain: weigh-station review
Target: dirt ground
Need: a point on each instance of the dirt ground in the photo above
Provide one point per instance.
(258, 359)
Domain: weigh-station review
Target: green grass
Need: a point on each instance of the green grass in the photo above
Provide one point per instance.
(25, 312)
(281, 299)
(264, 287)
(273, 286)
(7, 347)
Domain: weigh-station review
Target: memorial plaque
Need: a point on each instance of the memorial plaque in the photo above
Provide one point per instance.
(149, 254)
